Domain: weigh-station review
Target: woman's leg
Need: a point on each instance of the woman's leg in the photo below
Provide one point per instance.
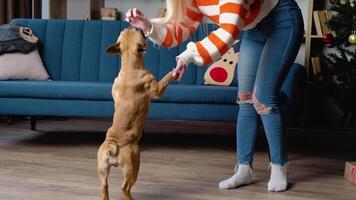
(285, 34)
(247, 124)
(247, 118)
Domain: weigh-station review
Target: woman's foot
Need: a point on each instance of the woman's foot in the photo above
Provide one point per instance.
(278, 180)
(243, 176)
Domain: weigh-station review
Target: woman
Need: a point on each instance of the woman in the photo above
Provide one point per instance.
(274, 30)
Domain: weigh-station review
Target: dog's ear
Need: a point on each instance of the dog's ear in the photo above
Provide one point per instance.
(114, 49)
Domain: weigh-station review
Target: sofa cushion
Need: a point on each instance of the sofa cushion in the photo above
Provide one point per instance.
(102, 91)
(56, 90)
(200, 94)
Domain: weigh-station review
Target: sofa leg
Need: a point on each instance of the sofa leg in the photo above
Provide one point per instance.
(33, 123)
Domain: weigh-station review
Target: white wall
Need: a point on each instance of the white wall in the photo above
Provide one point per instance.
(149, 7)
(77, 9)
(303, 4)
(45, 9)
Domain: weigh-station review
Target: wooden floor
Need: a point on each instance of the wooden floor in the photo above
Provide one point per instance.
(179, 161)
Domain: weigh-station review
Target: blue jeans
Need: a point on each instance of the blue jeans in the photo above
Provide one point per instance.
(266, 54)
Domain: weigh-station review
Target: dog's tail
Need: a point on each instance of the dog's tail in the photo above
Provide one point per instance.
(113, 151)
(113, 148)
(107, 154)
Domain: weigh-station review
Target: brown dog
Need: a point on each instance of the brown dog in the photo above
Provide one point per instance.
(132, 91)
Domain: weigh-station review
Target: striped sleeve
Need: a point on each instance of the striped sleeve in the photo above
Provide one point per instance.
(232, 14)
(174, 34)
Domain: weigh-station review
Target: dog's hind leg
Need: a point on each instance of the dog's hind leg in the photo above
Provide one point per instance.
(103, 175)
(129, 159)
(107, 152)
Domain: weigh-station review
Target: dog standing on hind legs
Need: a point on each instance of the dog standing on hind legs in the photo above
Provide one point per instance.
(132, 91)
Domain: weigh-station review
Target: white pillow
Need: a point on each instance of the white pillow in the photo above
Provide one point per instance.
(19, 66)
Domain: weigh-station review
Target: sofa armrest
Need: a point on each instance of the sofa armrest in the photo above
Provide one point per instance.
(294, 88)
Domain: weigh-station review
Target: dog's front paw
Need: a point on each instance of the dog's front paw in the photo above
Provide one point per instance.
(148, 78)
(172, 75)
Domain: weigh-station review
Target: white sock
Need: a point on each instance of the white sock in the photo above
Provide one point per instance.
(278, 180)
(243, 176)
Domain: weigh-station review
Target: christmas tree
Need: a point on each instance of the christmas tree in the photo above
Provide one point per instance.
(340, 67)
(340, 79)
(343, 21)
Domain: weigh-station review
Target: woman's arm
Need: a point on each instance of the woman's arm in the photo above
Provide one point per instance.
(232, 16)
(173, 34)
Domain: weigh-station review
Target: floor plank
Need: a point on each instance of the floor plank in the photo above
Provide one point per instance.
(179, 161)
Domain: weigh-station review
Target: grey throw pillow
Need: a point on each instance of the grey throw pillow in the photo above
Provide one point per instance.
(19, 66)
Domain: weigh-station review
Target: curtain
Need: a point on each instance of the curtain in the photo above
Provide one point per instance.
(10, 9)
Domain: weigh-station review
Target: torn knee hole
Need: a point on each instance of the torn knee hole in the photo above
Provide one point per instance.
(244, 97)
(260, 107)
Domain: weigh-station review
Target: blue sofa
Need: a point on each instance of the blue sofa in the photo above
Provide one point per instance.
(73, 52)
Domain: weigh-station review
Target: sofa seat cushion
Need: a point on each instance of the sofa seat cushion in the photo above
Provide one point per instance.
(56, 90)
(200, 94)
(102, 91)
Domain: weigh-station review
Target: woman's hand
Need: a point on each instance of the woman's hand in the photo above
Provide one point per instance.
(180, 70)
(137, 19)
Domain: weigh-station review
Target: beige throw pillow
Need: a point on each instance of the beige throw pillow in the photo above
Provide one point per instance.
(19, 66)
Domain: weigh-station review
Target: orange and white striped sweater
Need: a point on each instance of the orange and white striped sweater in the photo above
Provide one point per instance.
(231, 15)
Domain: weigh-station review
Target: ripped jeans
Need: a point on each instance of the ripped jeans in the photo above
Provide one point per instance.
(266, 54)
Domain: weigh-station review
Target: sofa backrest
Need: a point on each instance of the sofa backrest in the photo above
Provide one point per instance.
(74, 50)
